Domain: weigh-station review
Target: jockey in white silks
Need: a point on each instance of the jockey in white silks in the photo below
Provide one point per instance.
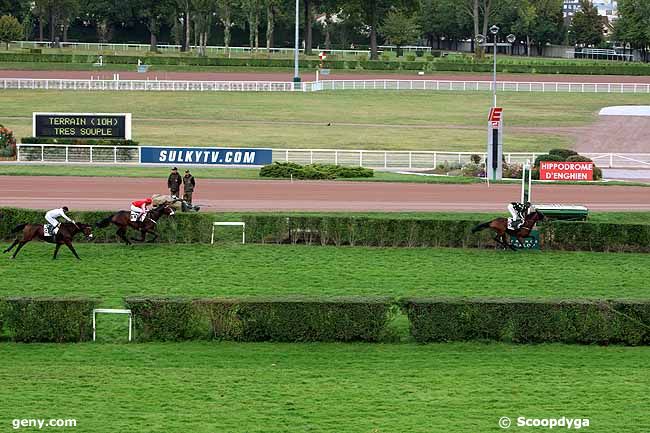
(518, 211)
(53, 216)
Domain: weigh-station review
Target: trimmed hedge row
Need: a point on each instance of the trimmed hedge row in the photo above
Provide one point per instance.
(49, 320)
(442, 64)
(339, 319)
(279, 319)
(361, 231)
(313, 171)
(525, 321)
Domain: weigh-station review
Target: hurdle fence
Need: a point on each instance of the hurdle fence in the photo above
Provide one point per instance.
(315, 86)
(377, 159)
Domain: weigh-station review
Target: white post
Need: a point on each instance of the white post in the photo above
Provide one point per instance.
(42, 153)
(94, 327)
(66, 154)
(130, 324)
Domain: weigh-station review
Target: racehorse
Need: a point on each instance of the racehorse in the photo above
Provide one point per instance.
(66, 233)
(500, 227)
(122, 220)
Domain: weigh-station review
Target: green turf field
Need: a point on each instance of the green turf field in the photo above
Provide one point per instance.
(371, 388)
(114, 271)
(452, 121)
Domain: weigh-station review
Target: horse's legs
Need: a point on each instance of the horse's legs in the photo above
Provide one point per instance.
(68, 243)
(56, 250)
(121, 232)
(20, 245)
(11, 247)
(155, 236)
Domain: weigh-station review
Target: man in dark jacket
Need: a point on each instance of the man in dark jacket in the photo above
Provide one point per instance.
(188, 186)
(174, 182)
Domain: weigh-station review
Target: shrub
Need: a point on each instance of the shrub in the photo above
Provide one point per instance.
(563, 153)
(56, 320)
(313, 171)
(472, 170)
(529, 321)
(476, 159)
(578, 158)
(547, 157)
(272, 319)
(512, 171)
(410, 57)
(7, 142)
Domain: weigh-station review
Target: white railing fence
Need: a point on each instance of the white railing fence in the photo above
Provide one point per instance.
(270, 86)
(379, 159)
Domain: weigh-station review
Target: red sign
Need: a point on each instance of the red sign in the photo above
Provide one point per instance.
(495, 116)
(553, 170)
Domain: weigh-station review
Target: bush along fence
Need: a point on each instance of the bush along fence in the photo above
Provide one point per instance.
(526, 321)
(51, 320)
(366, 319)
(273, 319)
(431, 64)
(79, 141)
(349, 230)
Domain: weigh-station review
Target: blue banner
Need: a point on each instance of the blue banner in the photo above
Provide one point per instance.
(205, 156)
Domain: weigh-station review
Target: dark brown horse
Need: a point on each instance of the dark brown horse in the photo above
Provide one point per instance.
(500, 227)
(64, 236)
(122, 220)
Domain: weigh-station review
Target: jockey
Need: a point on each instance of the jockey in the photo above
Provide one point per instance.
(139, 207)
(518, 212)
(53, 216)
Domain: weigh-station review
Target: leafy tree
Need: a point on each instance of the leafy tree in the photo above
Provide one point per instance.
(225, 11)
(587, 26)
(10, 29)
(443, 19)
(203, 13)
(152, 14)
(106, 14)
(252, 10)
(400, 28)
(633, 25)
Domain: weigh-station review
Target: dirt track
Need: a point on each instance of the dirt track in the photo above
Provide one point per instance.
(311, 76)
(249, 195)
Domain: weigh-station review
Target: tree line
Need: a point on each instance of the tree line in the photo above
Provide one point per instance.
(324, 23)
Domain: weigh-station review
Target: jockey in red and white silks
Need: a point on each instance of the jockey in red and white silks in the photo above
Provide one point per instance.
(139, 207)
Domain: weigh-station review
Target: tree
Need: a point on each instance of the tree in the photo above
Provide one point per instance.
(225, 13)
(204, 10)
(252, 10)
(444, 20)
(10, 29)
(106, 14)
(152, 13)
(400, 28)
(587, 26)
(372, 12)
(633, 25)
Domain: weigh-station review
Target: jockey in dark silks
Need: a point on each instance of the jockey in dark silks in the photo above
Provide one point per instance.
(518, 212)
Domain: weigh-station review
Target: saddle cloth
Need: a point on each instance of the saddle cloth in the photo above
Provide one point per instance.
(134, 216)
(512, 225)
(49, 230)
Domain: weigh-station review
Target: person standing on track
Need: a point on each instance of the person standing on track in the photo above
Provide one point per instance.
(53, 216)
(188, 186)
(139, 208)
(174, 182)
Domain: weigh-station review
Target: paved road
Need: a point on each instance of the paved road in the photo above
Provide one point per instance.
(249, 195)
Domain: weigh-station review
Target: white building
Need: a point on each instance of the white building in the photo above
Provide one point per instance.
(606, 8)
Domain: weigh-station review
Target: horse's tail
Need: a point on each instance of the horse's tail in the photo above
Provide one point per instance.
(18, 228)
(105, 222)
(480, 227)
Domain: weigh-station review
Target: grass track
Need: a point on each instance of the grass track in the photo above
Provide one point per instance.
(114, 271)
(366, 120)
(226, 387)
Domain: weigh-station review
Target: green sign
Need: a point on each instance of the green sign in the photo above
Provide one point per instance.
(530, 243)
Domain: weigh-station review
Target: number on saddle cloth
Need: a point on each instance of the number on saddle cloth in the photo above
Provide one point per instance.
(49, 230)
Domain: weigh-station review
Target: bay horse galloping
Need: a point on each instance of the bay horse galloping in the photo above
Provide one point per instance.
(500, 227)
(122, 220)
(64, 236)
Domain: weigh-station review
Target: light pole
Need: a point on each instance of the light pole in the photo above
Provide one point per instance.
(296, 74)
(481, 40)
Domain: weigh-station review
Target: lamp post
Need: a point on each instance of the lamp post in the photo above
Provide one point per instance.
(296, 74)
(481, 39)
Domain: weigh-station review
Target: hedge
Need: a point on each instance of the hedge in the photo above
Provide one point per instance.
(438, 64)
(78, 141)
(49, 320)
(313, 171)
(360, 231)
(269, 319)
(528, 321)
